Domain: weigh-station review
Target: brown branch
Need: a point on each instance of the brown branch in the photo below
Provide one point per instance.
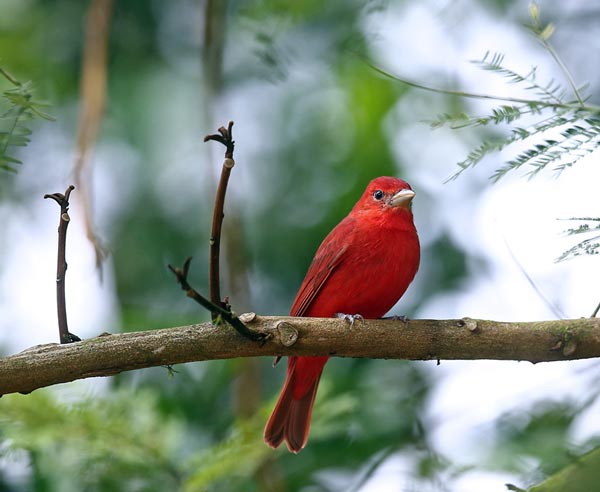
(217, 311)
(61, 268)
(225, 137)
(465, 339)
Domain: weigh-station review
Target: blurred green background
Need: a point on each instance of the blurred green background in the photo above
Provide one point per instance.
(313, 124)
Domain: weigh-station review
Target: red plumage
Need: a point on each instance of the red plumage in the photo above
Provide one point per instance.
(363, 266)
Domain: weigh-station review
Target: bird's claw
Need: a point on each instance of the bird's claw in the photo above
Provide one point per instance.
(351, 318)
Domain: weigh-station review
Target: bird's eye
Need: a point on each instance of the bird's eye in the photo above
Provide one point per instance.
(378, 194)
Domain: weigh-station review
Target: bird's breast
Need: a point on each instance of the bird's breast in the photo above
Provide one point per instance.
(374, 273)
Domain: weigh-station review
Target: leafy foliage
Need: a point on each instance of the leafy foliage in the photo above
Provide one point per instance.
(120, 443)
(563, 133)
(19, 107)
(565, 126)
(590, 246)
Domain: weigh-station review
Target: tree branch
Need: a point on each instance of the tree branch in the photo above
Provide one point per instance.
(464, 339)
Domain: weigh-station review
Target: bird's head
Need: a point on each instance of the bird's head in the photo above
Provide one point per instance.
(386, 194)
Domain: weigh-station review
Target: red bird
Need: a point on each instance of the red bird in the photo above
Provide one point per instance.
(363, 267)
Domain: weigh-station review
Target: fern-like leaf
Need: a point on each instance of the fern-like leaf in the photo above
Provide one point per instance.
(579, 124)
(552, 92)
(590, 246)
(19, 107)
(516, 134)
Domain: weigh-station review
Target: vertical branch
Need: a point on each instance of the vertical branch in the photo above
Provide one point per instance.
(215, 32)
(225, 137)
(61, 268)
(93, 97)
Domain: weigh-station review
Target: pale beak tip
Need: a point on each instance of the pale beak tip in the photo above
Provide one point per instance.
(402, 198)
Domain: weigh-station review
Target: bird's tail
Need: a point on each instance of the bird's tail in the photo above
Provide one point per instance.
(290, 420)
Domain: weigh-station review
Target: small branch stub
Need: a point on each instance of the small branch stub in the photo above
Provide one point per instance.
(470, 324)
(247, 317)
(288, 335)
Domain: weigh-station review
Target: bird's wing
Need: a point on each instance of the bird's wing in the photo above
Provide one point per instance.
(327, 258)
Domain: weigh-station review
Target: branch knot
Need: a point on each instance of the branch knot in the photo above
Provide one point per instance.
(288, 335)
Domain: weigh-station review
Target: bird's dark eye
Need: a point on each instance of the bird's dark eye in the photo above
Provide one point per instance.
(378, 194)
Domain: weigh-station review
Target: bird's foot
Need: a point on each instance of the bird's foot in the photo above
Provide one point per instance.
(351, 318)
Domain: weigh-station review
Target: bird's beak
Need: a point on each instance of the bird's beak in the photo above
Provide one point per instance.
(402, 199)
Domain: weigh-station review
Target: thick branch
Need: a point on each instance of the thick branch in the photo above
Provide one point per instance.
(464, 339)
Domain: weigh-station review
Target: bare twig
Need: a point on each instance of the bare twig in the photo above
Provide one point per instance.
(472, 95)
(61, 268)
(595, 313)
(9, 77)
(217, 311)
(543, 33)
(552, 307)
(453, 339)
(225, 136)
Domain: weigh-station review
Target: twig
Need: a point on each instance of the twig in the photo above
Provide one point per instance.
(61, 268)
(219, 309)
(552, 307)
(543, 34)
(215, 309)
(9, 77)
(592, 108)
(225, 136)
(565, 71)
(596, 310)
